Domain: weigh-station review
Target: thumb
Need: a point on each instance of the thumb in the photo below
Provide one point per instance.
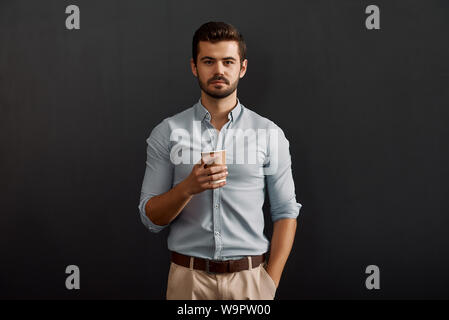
(203, 164)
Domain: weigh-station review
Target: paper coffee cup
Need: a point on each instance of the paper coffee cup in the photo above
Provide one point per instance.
(214, 158)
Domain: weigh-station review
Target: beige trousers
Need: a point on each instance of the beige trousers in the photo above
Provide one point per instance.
(190, 284)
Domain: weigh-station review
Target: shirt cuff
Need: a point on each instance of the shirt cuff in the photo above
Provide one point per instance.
(287, 211)
(146, 221)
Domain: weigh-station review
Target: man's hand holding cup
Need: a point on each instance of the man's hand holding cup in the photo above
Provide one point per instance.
(209, 173)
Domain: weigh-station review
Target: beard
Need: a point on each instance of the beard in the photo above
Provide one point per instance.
(216, 92)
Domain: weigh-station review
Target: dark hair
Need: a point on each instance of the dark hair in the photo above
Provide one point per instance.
(215, 32)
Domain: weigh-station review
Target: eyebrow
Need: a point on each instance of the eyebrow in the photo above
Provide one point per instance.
(210, 58)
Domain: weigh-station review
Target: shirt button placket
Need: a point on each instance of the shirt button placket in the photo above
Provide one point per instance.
(217, 228)
(215, 138)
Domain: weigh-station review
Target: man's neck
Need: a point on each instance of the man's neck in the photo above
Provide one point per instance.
(219, 108)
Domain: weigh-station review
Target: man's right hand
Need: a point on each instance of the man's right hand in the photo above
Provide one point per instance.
(202, 176)
(163, 208)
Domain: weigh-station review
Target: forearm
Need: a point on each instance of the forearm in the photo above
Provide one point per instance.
(162, 209)
(281, 244)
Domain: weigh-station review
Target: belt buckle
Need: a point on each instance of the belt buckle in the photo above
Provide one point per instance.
(208, 268)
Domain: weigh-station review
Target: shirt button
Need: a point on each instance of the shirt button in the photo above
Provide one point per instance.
(217, 233)
(216, 206)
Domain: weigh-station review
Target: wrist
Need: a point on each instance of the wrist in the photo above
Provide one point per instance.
(184, 189)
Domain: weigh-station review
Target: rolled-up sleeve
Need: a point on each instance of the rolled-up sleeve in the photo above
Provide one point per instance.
(280, 184)
(158, 172)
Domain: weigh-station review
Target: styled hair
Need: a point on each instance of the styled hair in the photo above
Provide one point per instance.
(215, 32)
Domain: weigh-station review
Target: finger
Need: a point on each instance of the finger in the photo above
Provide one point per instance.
(217, 185)
(203, 164)
(216, 169)
(211, 185)
(206, 185)
(213, 177)
(199, 166)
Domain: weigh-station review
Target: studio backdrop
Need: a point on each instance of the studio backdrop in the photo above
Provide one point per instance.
(360, 89)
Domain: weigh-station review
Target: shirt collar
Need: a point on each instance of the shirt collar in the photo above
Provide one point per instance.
(202, 113)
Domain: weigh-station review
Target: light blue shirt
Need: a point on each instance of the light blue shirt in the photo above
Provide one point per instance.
(226, 222)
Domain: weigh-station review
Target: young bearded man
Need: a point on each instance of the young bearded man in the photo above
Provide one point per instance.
(218, 248)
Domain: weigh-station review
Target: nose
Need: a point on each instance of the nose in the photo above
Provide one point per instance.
(219, 70)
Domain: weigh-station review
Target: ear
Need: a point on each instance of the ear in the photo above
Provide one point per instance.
(193, 67)
(243, 68)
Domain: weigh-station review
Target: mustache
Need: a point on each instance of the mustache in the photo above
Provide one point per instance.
(219, 79)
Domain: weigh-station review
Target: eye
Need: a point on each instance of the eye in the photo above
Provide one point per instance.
(207, 62)
(230, 62)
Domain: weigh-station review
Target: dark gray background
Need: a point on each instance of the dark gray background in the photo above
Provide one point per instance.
(366, 114)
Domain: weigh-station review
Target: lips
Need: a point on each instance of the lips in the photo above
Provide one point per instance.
(217, 82)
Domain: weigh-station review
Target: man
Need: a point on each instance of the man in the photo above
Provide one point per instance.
(216, 229)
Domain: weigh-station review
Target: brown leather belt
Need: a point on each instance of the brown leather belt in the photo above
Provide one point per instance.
(216, 266)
